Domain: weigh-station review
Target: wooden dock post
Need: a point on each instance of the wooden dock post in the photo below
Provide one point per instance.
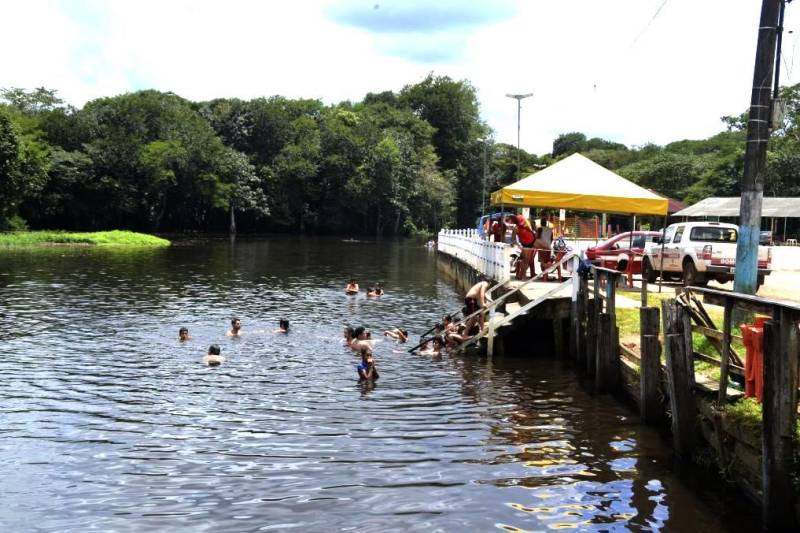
(780, 412)
(591, 337)
(558, 337)
(607, 371)
(725, 355)
(650, 370)
(680, 371)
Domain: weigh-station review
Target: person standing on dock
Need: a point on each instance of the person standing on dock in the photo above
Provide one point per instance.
(476, 299)
(543, 243)
(525, 236)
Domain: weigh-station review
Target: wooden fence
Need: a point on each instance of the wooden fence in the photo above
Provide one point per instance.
(595, 345)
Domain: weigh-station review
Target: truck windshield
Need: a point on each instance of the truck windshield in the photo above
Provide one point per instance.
(713, 234)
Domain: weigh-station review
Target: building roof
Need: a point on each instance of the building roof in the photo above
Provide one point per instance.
(729, 207)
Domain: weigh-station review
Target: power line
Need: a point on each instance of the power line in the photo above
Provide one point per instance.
(650, 22)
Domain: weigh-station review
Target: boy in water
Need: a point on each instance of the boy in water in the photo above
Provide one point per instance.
(213, 358)
(366, 369)
(236, 328)
(475, 299)
(352, 287)
(371, 293)
(283, 326)
(360, 340)
(183, 334)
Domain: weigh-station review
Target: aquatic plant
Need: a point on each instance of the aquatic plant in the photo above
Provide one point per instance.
(97, 238)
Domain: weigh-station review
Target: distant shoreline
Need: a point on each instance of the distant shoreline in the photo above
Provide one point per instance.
(117, 238)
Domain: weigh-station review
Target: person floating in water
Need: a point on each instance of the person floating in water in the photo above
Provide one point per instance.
(283, 326)
(476, 299)
(213, 358)
(352, 287)
(367, 371)
(236, 328)
(371, 292)
(400, 335)
(183, 334)
(378, 290)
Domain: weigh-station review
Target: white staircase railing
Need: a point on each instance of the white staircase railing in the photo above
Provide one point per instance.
(492, 259)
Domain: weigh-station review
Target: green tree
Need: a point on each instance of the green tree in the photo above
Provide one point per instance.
(451, 107)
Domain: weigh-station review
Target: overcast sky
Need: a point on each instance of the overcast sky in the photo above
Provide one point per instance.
(633, 71)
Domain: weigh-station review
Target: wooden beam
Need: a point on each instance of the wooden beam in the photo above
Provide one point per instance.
(650, 369)
(680, 371)
(780, 413)
(725, 355)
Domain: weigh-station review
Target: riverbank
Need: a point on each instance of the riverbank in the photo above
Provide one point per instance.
(66, 238)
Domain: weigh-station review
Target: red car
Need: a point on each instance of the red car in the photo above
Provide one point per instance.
(615, 252)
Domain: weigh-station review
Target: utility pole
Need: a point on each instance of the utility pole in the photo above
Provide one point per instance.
(518, 98)
(755, 157)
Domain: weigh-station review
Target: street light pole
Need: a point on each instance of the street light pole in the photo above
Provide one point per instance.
(483, 197)
(518, 98)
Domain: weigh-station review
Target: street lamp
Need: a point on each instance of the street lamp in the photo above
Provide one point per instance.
(518, 98)
(485, 142)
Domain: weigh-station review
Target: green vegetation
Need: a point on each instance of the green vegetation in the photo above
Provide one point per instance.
(98, 238)
(395, 163)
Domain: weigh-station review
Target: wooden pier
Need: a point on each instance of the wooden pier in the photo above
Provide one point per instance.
(660, 377)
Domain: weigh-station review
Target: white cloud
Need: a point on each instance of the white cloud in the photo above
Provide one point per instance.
(692, 65)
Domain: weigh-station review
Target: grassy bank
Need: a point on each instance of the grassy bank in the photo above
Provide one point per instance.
(96, 238)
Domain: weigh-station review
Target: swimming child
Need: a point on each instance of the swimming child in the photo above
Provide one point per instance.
(352, 287)
(366, 369)
(283, 326)
(371, 292)
(183, 334)
(213, 358)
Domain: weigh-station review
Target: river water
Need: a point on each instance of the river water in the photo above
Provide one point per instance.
(108, 423)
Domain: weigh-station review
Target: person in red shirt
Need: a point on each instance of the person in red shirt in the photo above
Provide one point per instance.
(526, 237)
(498, 230)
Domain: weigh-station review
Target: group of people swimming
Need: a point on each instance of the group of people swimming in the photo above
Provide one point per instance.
(214, 356)
(372, 291)
(446, 334)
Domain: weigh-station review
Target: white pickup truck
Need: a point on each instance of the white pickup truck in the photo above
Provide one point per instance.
(697, 252)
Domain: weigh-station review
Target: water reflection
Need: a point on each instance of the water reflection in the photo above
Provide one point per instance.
(109, 422)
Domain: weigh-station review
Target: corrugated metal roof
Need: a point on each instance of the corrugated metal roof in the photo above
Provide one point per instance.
(729, 207)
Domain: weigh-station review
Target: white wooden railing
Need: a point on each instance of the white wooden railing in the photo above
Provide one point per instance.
(492, 259)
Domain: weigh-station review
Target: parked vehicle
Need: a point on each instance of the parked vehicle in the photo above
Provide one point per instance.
(480, 224)
(616, 252)
(765, 238)
(697, 252)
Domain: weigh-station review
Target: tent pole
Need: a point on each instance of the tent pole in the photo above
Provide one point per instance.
(663, 234)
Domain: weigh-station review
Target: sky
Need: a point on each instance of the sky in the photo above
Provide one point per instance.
(631, 71)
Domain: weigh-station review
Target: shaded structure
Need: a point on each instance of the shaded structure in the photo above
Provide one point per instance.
(720, 207)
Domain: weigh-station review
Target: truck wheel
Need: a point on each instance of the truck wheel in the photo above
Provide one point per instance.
(691, 276)
(648, 272)
(759, 282)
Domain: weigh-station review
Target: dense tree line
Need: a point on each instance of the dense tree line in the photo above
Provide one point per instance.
(401, 163)
(393, 164)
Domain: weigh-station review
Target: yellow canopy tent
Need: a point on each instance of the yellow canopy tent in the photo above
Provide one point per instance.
(580, 184)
